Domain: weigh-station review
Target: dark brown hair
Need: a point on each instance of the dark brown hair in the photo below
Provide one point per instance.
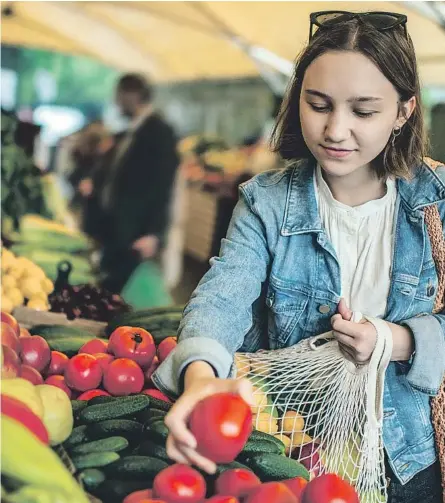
(393, 53)
(136, 83)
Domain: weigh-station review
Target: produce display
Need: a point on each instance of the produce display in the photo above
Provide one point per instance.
(93, 397)
(23, 283)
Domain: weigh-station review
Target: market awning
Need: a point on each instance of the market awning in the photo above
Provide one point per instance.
(174, 41)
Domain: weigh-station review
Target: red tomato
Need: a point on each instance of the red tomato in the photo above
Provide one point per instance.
(155, 393)
(10, 363)
(91, 393)
(123, 377)
(94, 346)
(220, 498)
(104, 359)
(296, 485)
(57, 364)
(83, 372)
(59, 382)
(10, 337)
(271, 491)
(166, 347)
(11, 321)
(15, 409)
(35, 352)
(221, 424)
(139, 496)
(24, 333)
(179, 484)
(237, 482)
(134, 343)
(31, 375)
(329, 488)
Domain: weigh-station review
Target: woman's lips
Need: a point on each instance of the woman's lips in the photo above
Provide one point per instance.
(337, 153)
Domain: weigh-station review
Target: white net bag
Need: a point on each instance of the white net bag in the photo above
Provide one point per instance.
(326, 410)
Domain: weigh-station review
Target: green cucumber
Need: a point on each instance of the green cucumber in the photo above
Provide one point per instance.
(102, 399)
(115, 427)
(158, 432)
(110, 444)
(142, 316)
(258, 446)
(275, 467)
(155, 403)
(49, 332)
(115, 410)
(149, 415)
(78, 405)
(79, 435)
(92, 478)
(68, 345)
(154, 450)
(94, 459)
(259, 435)
(137, 467)
(234, 465)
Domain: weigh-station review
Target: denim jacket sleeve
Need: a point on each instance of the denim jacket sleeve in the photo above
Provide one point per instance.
(428, 364)
(219, 312)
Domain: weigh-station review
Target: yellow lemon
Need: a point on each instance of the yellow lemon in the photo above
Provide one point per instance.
(30, 287)
(47, 285)
(8, 282)
(7, 304)
(15, 296)
(38, 304)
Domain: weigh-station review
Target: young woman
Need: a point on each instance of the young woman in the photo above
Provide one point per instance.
(340, 230)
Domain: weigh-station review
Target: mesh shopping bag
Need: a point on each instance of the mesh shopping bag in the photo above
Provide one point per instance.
(327, 410)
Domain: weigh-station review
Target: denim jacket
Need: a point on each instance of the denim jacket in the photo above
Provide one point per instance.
(277, 281)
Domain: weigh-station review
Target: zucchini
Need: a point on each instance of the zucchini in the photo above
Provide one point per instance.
(275, 467)
(158, 432)
(92, 478)
(115, 427)
(153, 450)
(94, 459)
(79, 435)
(110, 444)
(137, 467)
(115, 410)
(49, 332)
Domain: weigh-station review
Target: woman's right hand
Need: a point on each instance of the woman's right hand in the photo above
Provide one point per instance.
(200, 382)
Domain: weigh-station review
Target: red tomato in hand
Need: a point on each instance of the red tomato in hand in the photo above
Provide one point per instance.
(179, 484)
(58, 363)
(271, 491)
(134, 343)
(237, 482)
(123, 377)
(83, 372)
(221, 424)
(329, 488)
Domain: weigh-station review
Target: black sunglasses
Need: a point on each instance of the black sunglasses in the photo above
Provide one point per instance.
(381, 21)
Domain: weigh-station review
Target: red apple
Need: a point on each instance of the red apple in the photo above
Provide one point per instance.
(24, 333)
(134, 343)
(35, 352)
(104, 359)
(149, 372)
(166, 347)
(155, 393)
(94, 346)
(31, 375)
(57, 364)
(11, 321)
(83, 372)
(59, 382)
(10, 363)
(91, 393)
(123, 377)
(9, 338)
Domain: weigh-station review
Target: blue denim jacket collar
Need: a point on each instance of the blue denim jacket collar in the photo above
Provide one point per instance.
(301, 214)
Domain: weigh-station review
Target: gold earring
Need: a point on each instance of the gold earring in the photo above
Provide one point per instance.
(395, 133)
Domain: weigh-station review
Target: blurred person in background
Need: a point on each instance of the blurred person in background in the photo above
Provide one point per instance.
(134, 194)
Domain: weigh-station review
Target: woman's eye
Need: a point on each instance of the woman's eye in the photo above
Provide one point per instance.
(319, 108)
(363, 114)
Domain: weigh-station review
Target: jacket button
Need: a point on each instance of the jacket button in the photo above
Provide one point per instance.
(324, 309)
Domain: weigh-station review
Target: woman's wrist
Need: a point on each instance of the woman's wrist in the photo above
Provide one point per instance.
(197, 370)
(403, 342)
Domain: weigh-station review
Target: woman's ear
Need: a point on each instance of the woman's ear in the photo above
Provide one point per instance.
(406, 110)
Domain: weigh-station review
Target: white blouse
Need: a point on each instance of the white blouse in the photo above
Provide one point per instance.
(362, 237)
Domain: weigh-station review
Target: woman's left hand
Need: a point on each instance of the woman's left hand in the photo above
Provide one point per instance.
(357, 340)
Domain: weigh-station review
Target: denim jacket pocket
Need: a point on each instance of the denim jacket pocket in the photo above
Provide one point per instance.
(427, 287)
(285, 310)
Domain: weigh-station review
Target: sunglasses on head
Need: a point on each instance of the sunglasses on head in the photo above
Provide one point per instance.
(381, 21)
